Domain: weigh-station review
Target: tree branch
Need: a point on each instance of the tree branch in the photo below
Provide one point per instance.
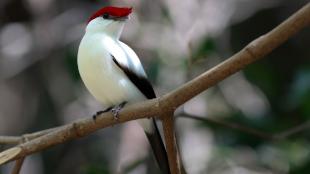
(234, 126)
(10, 139)
(18, 165)
(82, 127)
(20, 139)
(19, 162)
(255, 132)
(255, 50)
(172, 151)
(293, 131)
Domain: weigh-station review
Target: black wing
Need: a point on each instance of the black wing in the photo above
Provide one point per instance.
(140, 82)
(154, 137)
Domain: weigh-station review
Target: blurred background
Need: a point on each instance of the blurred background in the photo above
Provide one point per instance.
(176, 40)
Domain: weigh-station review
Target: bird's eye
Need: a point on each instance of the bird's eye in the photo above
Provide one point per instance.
(105, 15)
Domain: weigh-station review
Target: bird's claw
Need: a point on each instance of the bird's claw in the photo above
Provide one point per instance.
(117, 109)
(115, 112)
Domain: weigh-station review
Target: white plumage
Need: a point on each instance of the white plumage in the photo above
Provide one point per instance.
(102, 77)
(113, 73)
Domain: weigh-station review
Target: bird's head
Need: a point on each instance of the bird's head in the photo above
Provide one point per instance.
(109, 20)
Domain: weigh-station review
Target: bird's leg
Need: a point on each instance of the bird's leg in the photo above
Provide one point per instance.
(116, 109)
(100, 112)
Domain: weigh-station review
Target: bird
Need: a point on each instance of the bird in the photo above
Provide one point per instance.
(113, 73)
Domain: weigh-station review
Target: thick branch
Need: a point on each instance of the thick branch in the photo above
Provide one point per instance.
(252, 52)
(80, 128)
(255, 50)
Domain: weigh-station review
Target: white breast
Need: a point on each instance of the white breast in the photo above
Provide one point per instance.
(105, 81)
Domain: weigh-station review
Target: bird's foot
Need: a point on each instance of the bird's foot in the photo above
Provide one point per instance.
(116, 109)
(101, 112)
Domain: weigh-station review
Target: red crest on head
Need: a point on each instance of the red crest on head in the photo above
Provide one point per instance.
(113, 11)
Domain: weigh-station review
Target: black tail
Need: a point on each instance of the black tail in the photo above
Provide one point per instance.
(158, 148)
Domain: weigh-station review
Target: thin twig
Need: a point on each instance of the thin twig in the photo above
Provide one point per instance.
(229, 125)
(255, 132)
(10, 139)
(172, 151)
(19, 139)
(82, 127)
(293, 131)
